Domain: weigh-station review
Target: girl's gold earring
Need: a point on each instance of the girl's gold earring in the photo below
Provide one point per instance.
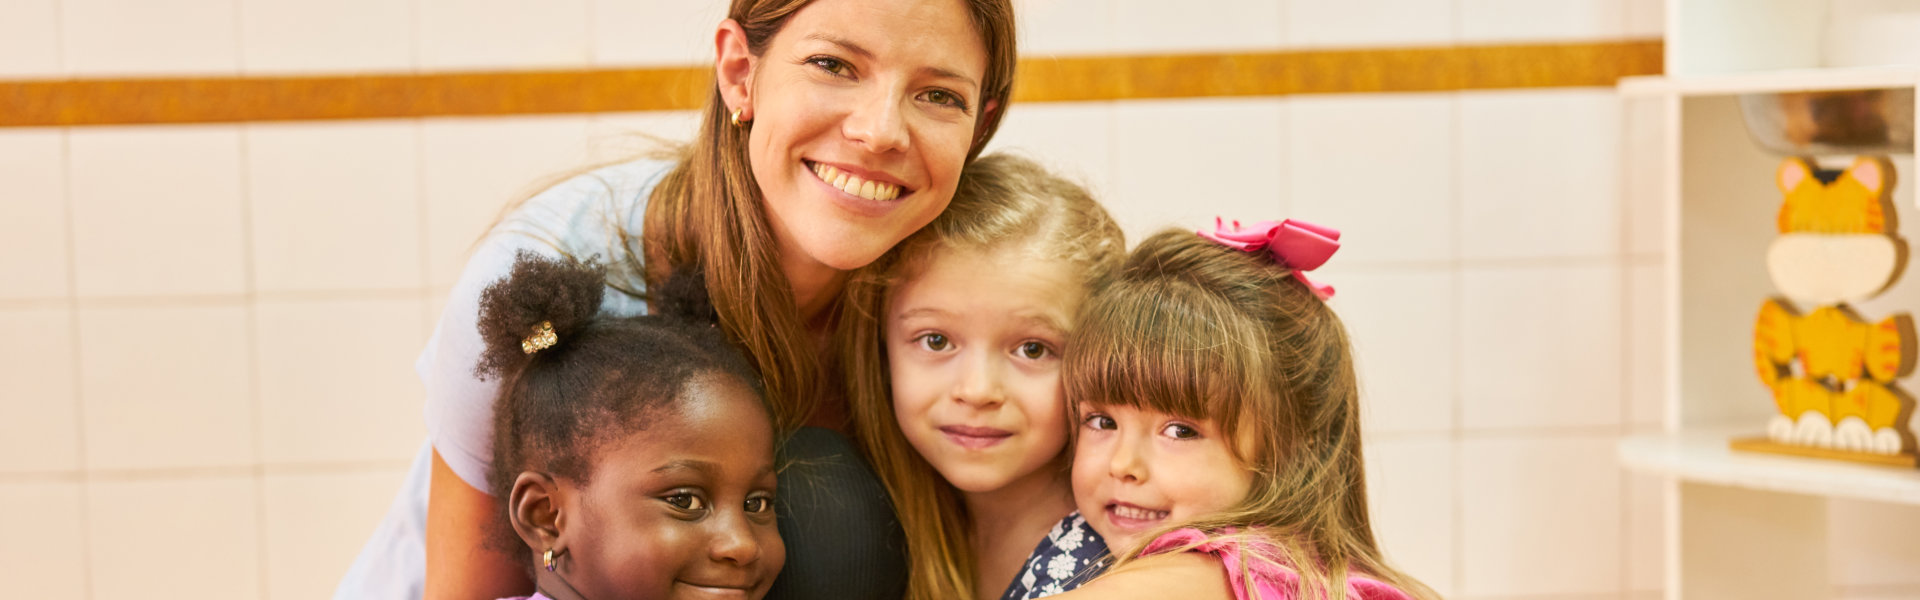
(735, 117)
(548, 558)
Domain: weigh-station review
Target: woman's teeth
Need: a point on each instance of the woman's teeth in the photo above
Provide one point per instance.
(1138, 514)
(853, 184)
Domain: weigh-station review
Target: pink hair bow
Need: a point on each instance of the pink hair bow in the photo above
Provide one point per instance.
(1296, 245)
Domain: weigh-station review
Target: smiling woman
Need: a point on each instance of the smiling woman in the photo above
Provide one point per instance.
(835, 129)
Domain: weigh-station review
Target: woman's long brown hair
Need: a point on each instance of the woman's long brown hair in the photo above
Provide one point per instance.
(1195, 329)
(708, 214)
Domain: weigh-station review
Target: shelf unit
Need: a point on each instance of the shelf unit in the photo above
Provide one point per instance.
(1742, 525)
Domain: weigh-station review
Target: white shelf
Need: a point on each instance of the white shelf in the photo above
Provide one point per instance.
(1793, 80)
(1702, 456)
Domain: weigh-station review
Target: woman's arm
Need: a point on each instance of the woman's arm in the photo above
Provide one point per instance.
(461, 563)
(1193, 575)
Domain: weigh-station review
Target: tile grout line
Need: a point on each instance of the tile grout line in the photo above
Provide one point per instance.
(1457, 204)
(250, 276)
(75, 354)
(1624, 196)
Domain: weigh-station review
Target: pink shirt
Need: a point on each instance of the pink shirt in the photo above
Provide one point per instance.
(1270, 580)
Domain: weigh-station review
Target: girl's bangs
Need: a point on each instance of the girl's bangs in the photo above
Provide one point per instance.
(1164, 346)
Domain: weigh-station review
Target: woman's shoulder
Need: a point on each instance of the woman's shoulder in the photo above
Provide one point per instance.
(583, 213)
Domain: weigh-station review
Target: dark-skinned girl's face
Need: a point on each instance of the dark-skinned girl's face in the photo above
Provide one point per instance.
(681, 509)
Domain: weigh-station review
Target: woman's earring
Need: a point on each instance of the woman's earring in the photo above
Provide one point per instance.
(548, 557)
(735, 117)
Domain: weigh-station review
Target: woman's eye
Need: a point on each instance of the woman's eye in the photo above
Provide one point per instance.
(1033, 350)
(686, 502)
(934, 342)
(829, 64)
(1180, 431)
(945, 98)
(759, 505)
(1099, 421)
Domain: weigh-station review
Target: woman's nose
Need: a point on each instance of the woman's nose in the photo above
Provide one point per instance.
(877, 123)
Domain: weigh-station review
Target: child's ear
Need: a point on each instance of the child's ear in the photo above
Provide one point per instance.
(534, 508)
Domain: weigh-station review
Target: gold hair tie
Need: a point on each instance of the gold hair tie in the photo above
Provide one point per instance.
(542, 338)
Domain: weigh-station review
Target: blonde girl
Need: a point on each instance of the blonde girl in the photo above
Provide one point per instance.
(1220, 424)
(961, 410)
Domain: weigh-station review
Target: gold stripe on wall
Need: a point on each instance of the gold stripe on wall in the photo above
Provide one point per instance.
(1119, 77)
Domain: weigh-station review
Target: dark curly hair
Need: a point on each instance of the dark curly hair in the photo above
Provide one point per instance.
(602, 380)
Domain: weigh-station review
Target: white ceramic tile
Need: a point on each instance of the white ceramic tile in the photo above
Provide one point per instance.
(1060, 27)
(33, 219)
(1539, 173)
(1872, 544)
(148, 537)
(613, 137)
(1369, 23)
(165, 387)
(1180, 163)
(336, 206)
(1483, 21)
(1646, 18)
(341, 36)
(1898, 592)
(1074, 139)
(1401, 326)
(1410, 498)
(1197, 25)
(504, 34)
(1646, 347)
(1378, 168)
(1539, 516)
(1645, 531)
(30, 38)
(336, 380)
(1540, 347)
(157, 210)
(45, 556)
(649, 32)
(40, 420)
(1643, 186)
(316, 525)
(475, 168)
(154, 37)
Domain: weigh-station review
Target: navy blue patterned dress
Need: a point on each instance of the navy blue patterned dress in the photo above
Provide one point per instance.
(1071, 554)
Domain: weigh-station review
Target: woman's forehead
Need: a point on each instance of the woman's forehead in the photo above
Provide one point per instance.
(935, 36)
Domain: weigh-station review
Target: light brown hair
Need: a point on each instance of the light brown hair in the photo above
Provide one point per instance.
(707, 214)
(1194, 329)
(1003, 202)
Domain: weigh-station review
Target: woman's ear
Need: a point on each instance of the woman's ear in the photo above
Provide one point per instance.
(733, 65)
(534, 508)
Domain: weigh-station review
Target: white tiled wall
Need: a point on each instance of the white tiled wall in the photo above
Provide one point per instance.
(223, 317)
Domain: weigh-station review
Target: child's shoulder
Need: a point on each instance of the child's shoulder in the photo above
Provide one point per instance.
(1251, 562)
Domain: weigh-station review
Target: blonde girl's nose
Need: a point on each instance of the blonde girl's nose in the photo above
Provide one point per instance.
(1126, 463)
(979, 383)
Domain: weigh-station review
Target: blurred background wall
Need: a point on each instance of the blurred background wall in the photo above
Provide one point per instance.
(210, 328)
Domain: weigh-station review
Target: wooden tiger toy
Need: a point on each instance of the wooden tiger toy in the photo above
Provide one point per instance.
(1833, 374)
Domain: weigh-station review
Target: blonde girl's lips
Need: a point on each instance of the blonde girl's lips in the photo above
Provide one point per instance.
(1135, 518)
(975, 438)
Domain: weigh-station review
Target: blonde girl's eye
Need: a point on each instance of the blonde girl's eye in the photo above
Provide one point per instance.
(1034, 351)
(935, 342)
(686, 501)
(1180, 431)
